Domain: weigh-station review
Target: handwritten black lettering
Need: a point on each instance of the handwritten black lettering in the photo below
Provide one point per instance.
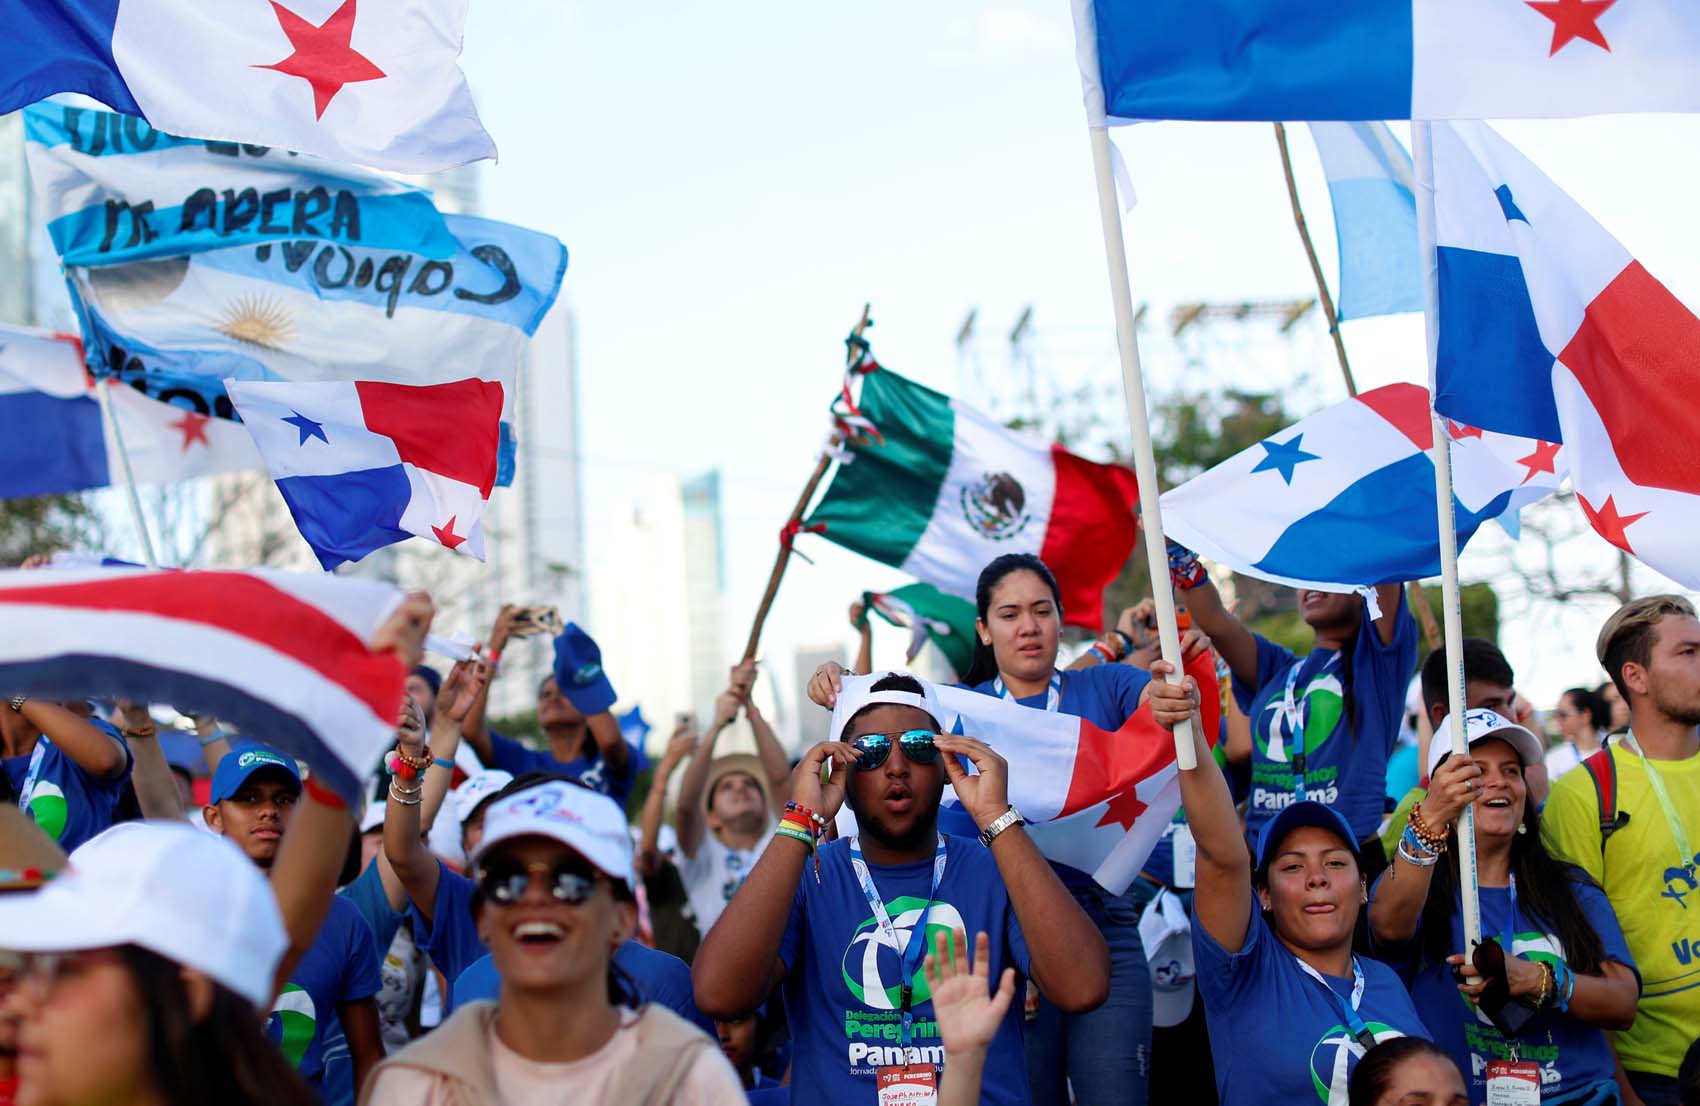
(497, 258)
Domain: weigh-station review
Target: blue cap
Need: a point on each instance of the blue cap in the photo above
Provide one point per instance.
(1297, 816)
(182, 752)
(578, 671)
(243, 761)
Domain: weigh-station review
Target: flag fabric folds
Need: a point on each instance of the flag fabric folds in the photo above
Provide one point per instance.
(113, 189)
(947, 621)
(371, 83)
(1549, 328)
(1386, 59)
(1371, 187)
(938, 489)
(281, 656)
(57, 440)
(365, 464)
(1345, 497)
(1093, 799)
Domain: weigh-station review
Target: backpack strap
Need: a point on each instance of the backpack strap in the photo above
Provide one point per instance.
(1603, 771)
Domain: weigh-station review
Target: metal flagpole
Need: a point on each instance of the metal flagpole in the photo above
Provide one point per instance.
(1423, 154)
(103, 386)
(1144, 459)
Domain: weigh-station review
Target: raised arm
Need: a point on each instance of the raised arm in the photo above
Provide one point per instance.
(774, 762)
(150, 775)
(214, 742)
(1387, 598)
(864, 636)
(304, 875)
(91, 748)
(477, 734)
(1396, 910)
(682, 745)
(687, 812)
(1222, 897)
(465, 682)
(1071, 962)
(610, 742)
(404, 845)
(738, 962)
(1234, 642)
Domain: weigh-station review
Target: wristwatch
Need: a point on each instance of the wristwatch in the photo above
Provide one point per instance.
(1008, 818)
(18, 702)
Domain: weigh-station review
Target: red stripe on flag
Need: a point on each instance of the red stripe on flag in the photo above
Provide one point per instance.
(1637, 356)
(1406, 407)
(1109, 764)
(452, 430)
(1091, 533)
(245, 605)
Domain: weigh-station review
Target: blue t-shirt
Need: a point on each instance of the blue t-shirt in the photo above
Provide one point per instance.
(1572, 1055)
(1401, 771)
(842, 981)
(341, 966)
(1276, 1036)
(511, 756)
(366, 892)
(451, 939)
(69, 805)
(659, 977)
(1344, 770)
(1106, 695)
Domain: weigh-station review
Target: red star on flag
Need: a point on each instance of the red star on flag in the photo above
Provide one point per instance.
(1459, 431)
(1541, 460)
(446, 534)
(1608, 523)
(323, 57)
(1123, 809)
(193, 427)
(1573, 19)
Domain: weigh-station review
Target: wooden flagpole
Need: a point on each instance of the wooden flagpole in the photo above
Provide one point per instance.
(796, 520)
(1425, 617)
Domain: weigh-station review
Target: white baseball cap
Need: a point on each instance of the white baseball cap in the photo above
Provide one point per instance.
(1166, 933)
(1480, 723)
(475, 789)
(856, 692)
(586, 821)
(191, 897)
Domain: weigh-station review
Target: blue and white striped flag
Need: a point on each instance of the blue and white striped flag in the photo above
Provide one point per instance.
(1372, 189)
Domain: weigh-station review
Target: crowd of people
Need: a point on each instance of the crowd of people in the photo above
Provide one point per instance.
(492, 928)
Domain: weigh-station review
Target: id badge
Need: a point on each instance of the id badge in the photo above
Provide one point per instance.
(1186, 857)
(1513, 1084)
(907, 1085)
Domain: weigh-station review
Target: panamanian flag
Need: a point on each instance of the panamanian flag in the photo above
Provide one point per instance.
(1386, 59)
(1346, 497)
(1548, 327)
(363, 464)
(374, 82)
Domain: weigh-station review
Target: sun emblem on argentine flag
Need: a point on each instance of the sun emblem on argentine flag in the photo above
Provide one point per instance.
(996, 506)
(256, 320)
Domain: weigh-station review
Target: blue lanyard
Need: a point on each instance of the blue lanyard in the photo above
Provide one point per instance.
(911, 953)
(1349, 1012)
(1297, 713)
(1508, 932)
(1053, 696)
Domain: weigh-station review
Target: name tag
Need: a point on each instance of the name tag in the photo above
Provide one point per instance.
(907, 1085)
(1513, 1084)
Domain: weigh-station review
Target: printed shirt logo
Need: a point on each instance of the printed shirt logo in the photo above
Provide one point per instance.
(292, 1023)
(253, 757)
(1320, 705)
(48, 807)
(873, 968)
(1682, 882)
(1334, 1057)
(996, 507)
(1487, 1043)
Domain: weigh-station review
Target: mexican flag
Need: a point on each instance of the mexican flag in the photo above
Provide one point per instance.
(938, 489)
(930, 615)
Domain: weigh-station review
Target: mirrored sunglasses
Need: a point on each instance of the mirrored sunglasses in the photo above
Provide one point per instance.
(876, 747)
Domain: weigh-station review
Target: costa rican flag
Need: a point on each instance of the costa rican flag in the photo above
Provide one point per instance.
(283, 657)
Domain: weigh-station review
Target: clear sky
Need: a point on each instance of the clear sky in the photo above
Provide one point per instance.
(733, 182)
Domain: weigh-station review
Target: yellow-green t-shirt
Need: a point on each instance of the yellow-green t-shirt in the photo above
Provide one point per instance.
(1656, 899)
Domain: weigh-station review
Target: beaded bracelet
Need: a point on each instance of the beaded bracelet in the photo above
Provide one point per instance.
(1414, 859)
(1435, 842)
(418, 763)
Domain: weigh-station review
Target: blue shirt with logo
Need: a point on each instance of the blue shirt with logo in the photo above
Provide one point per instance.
(68, 803)
(510, 756)
(842, 981)
(1276, 1033)
(1344, 768)
(1571, 1054)
(1106, 695)
(657, 977)
(341, 966)
(367, 894)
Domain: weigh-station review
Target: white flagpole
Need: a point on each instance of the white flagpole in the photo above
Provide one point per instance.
(1133, 383)
(103, 386)
(1451, 608)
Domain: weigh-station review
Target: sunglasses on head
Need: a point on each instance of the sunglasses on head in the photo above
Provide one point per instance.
(504, 881)
(876, 747)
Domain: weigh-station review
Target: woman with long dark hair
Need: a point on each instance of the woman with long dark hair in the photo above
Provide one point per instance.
(1584, 720)
(1407, 1071)
(146, 966)
(1322, 724)
(1557, 972)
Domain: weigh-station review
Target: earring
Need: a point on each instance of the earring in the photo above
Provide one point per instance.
(1522, 828)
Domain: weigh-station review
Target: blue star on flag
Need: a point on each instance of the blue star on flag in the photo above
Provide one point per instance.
(308, 428)
(1283, 457)
(1509, 205)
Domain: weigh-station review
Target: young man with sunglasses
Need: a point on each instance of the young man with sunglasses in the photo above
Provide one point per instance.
(844, 926)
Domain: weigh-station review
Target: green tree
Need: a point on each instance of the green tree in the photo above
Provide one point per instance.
(44, 524)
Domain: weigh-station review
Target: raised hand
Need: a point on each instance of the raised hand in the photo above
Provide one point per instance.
(1171, 704)
(968, 1016)
(985, 796)
(461, 688)
(743, 679)
(405, 629)
(806, 786)
(410, 726)
(824, 684)
(1455, 785)
(726, 706)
